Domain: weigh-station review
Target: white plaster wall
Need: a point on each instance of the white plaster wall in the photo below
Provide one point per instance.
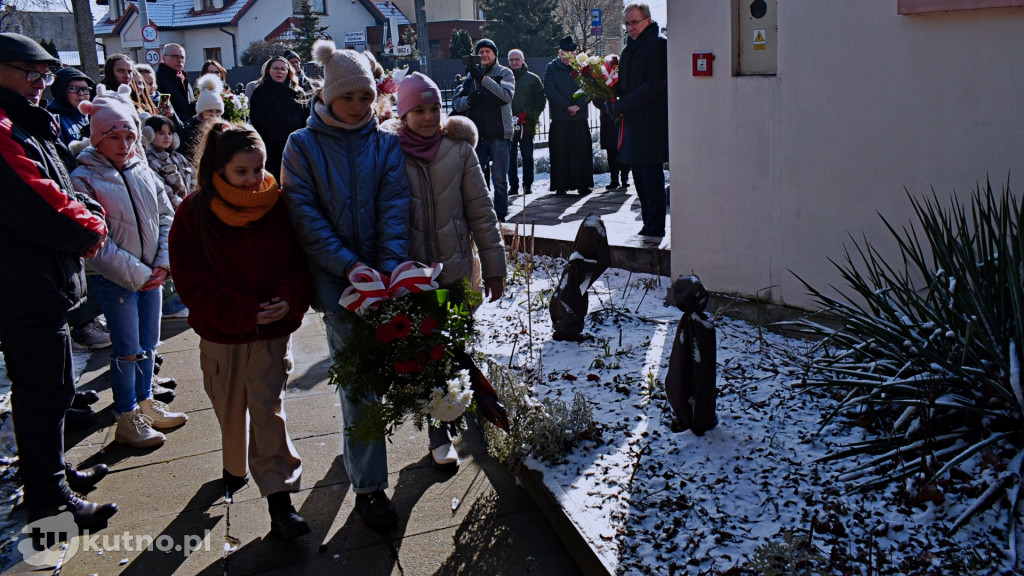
(264, 17)
(772, 174)
(198, 39)
(260, 20)
(346, 17)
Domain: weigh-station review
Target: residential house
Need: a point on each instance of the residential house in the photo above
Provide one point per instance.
(222, 29)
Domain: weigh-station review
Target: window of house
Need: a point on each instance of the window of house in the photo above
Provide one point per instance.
(208, 5)
(319, 6)
(924, 6)
(435, 49)
(212, 54)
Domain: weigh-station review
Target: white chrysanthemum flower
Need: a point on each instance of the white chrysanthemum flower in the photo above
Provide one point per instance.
(449, 403)
(581, 58)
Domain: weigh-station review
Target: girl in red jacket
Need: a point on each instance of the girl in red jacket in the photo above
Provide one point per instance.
(242, 277)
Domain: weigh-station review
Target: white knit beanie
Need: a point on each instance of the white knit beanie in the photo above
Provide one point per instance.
(109, 112)
(344, 71)
(210, 88)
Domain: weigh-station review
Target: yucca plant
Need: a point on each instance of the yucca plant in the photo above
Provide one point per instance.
(928, 355)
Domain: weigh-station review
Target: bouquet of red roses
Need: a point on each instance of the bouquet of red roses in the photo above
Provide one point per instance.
(598, 77)
(403, 353)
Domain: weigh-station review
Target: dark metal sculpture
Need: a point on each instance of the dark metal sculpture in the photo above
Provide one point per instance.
(692, 370)
(590, 258)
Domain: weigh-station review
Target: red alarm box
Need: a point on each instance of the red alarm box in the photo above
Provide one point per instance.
(702, 63)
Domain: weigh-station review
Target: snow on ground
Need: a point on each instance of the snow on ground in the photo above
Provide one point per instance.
(654, 501)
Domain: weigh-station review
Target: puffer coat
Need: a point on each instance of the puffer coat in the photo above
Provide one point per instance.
(176, 171)
(138, 215)
(348, 199)
(451, 210)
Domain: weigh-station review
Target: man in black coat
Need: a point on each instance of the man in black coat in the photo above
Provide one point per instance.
(172, 79)
(45, 230)
(643, 107)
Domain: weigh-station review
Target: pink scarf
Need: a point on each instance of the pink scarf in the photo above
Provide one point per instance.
(419, 147)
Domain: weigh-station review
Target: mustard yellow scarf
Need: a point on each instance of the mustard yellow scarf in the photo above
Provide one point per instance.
(237, 207)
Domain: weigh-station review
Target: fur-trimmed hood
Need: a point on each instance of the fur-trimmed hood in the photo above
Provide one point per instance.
(455, 127)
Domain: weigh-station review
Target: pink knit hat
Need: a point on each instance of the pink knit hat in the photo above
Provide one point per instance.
(110, 111)
(414, 90)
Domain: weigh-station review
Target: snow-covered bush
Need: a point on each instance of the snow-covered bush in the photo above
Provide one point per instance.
(548, 429)
(928, 355)
(600, 161)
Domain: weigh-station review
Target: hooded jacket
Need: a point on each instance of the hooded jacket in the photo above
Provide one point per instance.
(489, 103)
(44, 224)
(451, 210)
(138, 217)
(73, 124)
(348, 199)
(176, 171)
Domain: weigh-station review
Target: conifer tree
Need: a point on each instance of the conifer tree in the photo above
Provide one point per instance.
(460, 45)
(525, 24)
(409, 38)
(309, 30)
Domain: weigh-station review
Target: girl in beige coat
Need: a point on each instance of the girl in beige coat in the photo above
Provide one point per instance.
(452, 218)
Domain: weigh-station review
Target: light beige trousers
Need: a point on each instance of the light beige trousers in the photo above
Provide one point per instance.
(245, 383)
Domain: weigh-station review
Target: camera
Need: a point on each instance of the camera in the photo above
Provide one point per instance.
(471, 60)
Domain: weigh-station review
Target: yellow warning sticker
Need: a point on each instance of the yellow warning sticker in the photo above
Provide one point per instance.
(759, 41)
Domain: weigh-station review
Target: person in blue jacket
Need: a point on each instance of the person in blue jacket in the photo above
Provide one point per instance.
(345, 187)
(70, 88)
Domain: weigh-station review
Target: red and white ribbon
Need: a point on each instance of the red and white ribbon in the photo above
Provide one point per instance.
(370, 287)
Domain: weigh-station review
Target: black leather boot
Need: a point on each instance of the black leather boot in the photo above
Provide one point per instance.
(88, 515)
(85, 479)
(285, 522)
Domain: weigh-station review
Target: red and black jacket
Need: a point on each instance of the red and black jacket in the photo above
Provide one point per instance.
(44, 224)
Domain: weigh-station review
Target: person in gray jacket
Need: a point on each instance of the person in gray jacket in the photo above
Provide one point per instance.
(345, 187)
(485, 97)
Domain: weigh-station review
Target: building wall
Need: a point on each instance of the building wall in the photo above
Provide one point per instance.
(772, 175)
(439, 10)
(56, 26)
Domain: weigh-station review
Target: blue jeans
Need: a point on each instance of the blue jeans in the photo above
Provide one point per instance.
(366, 464)
(496, 151)
(524, 145)
(133, 319)
(650, 188)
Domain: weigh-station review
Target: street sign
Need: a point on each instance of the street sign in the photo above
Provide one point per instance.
(355, 38)
(595, 17)
(403, 50)
(149, 33)
(596, 31)
(153, 57)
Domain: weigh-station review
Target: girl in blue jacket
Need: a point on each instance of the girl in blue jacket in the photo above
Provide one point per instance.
(345, 187)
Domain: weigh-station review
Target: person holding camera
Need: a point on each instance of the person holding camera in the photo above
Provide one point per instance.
(485, 97)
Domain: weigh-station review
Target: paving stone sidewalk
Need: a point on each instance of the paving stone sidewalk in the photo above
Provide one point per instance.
(475, 522)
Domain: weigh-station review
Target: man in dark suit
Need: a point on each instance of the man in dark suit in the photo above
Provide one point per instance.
(643, 106)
